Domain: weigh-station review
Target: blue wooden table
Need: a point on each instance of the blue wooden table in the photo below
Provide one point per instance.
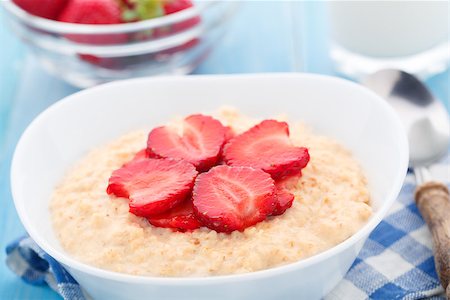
(264, 37)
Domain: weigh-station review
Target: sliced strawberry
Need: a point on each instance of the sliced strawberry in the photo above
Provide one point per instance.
(152, 185)
(284, 201)
(140, 155)
(200, 144)
(229, 133)
(289, 182)
(181, 218)
(267, 146)
(49, 9)
(284, 197)
(233, 198)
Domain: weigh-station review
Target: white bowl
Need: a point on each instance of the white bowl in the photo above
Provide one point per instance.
(63, 133)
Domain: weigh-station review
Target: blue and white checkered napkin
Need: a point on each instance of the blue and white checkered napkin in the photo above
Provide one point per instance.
(396, 262)
(34, 266)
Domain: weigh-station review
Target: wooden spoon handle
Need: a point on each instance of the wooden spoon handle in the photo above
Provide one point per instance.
(433, 201)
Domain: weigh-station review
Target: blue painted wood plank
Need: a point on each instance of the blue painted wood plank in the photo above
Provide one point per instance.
(313, 36)
(440, 85)
(11, 62)
(31, 97)
(259, 39)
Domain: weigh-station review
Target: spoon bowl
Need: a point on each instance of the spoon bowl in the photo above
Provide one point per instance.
(425, 118)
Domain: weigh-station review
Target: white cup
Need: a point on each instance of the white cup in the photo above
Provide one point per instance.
(371, 35)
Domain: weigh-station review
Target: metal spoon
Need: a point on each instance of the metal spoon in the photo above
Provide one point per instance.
(428, 128)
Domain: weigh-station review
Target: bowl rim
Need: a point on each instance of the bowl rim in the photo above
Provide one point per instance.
(363, 232)
(89, 29)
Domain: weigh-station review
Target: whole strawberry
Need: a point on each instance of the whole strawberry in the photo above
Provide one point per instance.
(138, 10)
(95, 12)
(173, 6)
(49, 9)
(91, 12)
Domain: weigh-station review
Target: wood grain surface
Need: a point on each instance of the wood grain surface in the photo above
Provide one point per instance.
(433, 201)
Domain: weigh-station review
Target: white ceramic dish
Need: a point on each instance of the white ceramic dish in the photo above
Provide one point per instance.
(346, 111)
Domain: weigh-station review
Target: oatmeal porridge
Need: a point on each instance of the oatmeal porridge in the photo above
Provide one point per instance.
(331, 202)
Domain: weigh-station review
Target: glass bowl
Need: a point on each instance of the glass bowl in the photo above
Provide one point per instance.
(87, 55)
